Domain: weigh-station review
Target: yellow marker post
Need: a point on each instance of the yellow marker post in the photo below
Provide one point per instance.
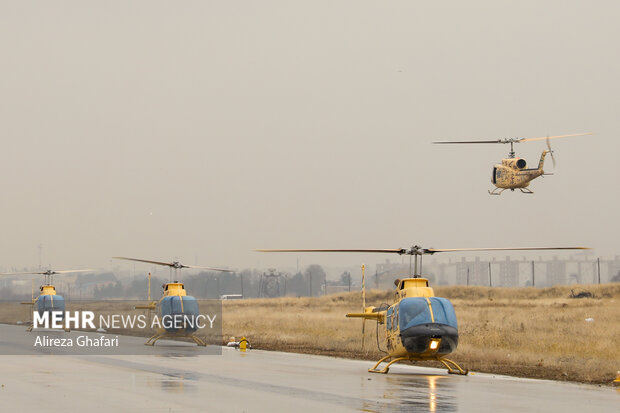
(363, 303)
(363, 287)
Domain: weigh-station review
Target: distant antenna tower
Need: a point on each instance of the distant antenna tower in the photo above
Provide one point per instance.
(270, 284)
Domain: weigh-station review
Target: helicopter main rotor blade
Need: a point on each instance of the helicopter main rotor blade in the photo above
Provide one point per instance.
(169, 264)
(489, 141)
(44, 273)
(422, 251)
(541, 138)
(70, 271)
(173, 265)
(208, 268)
(23, 273)
(434, 250)
(396, 251)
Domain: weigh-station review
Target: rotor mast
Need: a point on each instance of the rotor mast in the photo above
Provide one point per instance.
(416, 251)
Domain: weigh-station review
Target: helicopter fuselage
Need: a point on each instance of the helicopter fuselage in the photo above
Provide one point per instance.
(175, 304)
(49, 301)
(420, 324)
(513, 173)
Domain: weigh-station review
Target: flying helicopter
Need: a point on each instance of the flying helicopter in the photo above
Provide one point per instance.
(512, 173)
(418, 325)
(174, 303)
(48, 300)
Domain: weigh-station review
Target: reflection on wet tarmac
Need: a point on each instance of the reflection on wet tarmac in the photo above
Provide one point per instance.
(171, 377)
(412, 392)
(174, 382)
(175, 354)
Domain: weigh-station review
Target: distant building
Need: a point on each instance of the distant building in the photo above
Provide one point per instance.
(512, 273)
(386, 273)
(508, 273)
(613, 268)
(556, 272)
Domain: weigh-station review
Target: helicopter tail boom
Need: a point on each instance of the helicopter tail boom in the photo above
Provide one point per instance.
(541, 163)
(368, 316)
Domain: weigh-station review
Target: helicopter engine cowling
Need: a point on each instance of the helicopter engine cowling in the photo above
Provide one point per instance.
(423, 319)
(515, 163)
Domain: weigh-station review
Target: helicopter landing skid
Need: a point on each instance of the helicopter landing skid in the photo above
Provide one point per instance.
(526, 191)
(151, 341)
(386, 368)
(452, 366)
(496, 193)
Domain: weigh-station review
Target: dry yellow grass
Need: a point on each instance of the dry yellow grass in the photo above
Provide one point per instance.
(524, 332)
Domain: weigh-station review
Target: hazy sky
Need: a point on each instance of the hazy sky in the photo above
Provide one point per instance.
(203, 130)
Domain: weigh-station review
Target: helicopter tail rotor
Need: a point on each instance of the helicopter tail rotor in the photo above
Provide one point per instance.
(550, 152)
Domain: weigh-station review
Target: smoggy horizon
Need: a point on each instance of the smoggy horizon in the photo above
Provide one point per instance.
(204, 131)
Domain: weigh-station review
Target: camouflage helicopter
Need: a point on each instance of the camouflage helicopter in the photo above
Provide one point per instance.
(418, 325)
(512, 172)
(174, 303)
(48, 300)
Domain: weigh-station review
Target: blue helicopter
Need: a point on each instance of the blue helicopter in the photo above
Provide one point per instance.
(418, 325)
(48, 301)
(177, 310)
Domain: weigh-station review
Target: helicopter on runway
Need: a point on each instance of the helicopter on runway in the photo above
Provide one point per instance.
(418, 325)
(512, 173)
(48, 300)
(174, 303)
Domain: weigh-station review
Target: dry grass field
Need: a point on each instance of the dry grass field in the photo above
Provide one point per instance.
(525, 332)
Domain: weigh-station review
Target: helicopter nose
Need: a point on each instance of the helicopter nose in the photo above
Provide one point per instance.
(422, 338)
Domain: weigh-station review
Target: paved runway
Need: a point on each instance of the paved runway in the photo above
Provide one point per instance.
(176, 378)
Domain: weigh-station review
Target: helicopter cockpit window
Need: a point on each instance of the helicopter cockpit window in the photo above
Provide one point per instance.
(47, 303)
(415, 311)
(443, 311)
(179, 305)
(388, 318)
(190, 305)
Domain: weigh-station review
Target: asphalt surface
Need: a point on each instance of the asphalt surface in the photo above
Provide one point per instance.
(178, 377)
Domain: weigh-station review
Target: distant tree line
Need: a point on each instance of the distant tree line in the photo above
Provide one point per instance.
(212, 285)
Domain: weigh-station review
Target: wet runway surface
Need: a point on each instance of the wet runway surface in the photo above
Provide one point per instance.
(179, 377)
